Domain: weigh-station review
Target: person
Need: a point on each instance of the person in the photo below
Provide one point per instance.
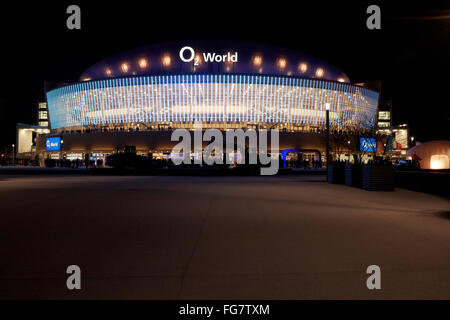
(86, 160)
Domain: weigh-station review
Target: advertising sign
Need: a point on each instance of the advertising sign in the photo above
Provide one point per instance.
(367, 145)
(53, 144)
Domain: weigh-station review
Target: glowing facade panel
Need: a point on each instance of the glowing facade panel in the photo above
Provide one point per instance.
(211, 98)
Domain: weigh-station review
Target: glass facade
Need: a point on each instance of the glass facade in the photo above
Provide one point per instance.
(218, 99)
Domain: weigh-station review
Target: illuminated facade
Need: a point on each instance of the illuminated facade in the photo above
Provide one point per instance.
(221, 100)
(152, 89)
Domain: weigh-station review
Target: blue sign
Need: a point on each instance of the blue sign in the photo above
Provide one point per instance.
(53, 144)
(367, 145)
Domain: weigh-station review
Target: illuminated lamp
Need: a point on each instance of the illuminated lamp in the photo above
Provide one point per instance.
(166, 60)
(198, 58)
(143, 63)
(257, 61)
(319, 72)
(302, 67)
(281, 63)
(124, 67)
(439, 161)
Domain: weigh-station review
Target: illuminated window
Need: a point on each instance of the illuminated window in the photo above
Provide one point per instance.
(384, 115)
(43, 115)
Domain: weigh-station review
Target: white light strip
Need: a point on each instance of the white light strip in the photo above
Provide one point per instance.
(210, 98)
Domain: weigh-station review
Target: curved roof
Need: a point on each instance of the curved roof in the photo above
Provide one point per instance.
(252, 59)
(433, 154)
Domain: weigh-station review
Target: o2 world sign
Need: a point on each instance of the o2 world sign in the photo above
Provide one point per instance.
(187, 54)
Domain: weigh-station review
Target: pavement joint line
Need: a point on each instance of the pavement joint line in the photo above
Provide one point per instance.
(335, 205)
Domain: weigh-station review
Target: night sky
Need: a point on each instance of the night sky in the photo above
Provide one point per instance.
(410, 54)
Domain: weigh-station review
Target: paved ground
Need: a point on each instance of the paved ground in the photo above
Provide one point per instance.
(218, 237)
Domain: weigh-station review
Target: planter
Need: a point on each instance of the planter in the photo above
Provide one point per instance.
(377, 178)
(353, 175)
(336, 173)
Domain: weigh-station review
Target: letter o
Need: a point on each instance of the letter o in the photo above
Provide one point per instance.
(182, 54)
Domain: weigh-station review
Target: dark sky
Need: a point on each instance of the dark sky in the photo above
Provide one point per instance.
(410, 54)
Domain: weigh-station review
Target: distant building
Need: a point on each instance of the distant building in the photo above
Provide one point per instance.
(43, 114)
(398, 137)
(384, 117)
(26, 134)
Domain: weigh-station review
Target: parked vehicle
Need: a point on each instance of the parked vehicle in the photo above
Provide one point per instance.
(407, 165)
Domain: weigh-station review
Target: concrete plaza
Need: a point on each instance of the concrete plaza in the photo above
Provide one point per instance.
(285, 237)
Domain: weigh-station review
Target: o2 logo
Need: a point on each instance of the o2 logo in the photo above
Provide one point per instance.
(187, 54)
(53, 144)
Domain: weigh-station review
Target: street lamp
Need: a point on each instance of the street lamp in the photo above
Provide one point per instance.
(349, 151)
(14, 151)
(61, 149)
(327, 108)
(31, 153)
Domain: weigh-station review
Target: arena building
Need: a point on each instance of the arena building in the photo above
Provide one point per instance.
(137, 98)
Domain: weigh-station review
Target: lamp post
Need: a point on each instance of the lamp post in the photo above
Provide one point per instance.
(349, 150)
(31, 153)
(14, 152)
(61, 150)
(327, 107)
